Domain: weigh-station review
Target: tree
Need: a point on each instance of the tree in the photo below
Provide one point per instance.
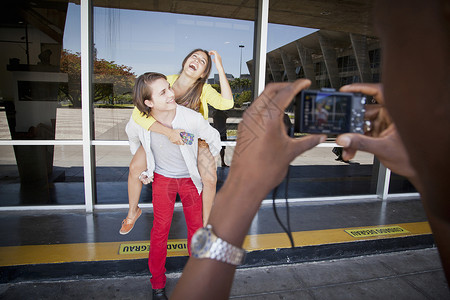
(245, 96)
(216, 87)
(241, 88)
(240, 84)
(235, 84)
(246, 83)
(112, 82)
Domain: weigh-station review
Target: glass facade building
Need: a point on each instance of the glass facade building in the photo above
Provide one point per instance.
(68, 68)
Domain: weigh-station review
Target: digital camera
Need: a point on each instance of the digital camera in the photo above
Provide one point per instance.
(328, 111)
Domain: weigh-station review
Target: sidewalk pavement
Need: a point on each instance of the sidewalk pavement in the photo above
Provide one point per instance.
(414, 274)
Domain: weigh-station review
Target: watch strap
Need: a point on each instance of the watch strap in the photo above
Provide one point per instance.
(227, 253)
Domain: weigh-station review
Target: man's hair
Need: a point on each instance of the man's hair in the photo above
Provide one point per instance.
(142, 90)
(192, 98)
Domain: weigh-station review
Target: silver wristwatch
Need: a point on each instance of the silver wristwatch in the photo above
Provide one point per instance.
(205, 244)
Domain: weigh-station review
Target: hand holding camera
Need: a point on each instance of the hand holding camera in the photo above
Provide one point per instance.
(382, 140)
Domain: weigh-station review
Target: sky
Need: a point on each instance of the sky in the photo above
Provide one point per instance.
(151, 41)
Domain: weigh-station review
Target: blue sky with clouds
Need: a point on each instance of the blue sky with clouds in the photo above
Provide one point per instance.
(150, 41)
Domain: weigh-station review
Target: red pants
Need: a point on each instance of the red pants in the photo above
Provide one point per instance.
(164, 193)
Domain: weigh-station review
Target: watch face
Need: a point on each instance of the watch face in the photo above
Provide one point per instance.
(199, 242)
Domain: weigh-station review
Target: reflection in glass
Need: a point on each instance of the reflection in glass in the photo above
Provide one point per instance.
(39, 99)
(317, 173)
(111, 174)
(129, 43)
(329, 59)
(400, 184)
(41, 78)
(41, 175)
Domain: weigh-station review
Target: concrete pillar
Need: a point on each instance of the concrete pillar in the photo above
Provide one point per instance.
(330, 58)
(289, 66)
(274, 69)
(361, 51)
(307, 63)
(251, 70)
(360, 48)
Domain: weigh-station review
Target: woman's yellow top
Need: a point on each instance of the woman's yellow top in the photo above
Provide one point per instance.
(209, 96)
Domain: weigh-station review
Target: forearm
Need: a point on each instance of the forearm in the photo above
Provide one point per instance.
(204, 279)
(440, 226)
(160, 128)
(172, 134)
(225, 89)
(210, 135)
(415, 181)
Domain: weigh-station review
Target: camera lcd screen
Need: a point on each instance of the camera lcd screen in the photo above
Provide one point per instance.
(324, 112)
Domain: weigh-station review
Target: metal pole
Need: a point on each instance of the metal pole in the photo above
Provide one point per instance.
(384, 176)
(86, 100)
(240, 64)
(27, 46)
(260, 46)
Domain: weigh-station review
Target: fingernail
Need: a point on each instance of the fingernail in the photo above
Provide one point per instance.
(343, 141)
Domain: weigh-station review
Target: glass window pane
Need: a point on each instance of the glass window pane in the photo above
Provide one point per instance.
(41, 175)
(129, 43)
(40, 86)
(399, 184)
(329, 57)
(318, 173)
(132, 42)
(112, 164)
(9, 177)
(112, 175)
(5, 134)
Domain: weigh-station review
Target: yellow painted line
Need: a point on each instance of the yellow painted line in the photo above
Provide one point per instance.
(329, 236)
(63, 253)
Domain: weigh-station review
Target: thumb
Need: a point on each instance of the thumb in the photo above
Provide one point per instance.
(354, 141)
(306, 143)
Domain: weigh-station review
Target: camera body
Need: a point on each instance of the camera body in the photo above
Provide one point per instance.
(328, 111)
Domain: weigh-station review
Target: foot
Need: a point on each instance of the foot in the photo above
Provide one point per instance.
(128, 224)
(159, 294)
(341, 159)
